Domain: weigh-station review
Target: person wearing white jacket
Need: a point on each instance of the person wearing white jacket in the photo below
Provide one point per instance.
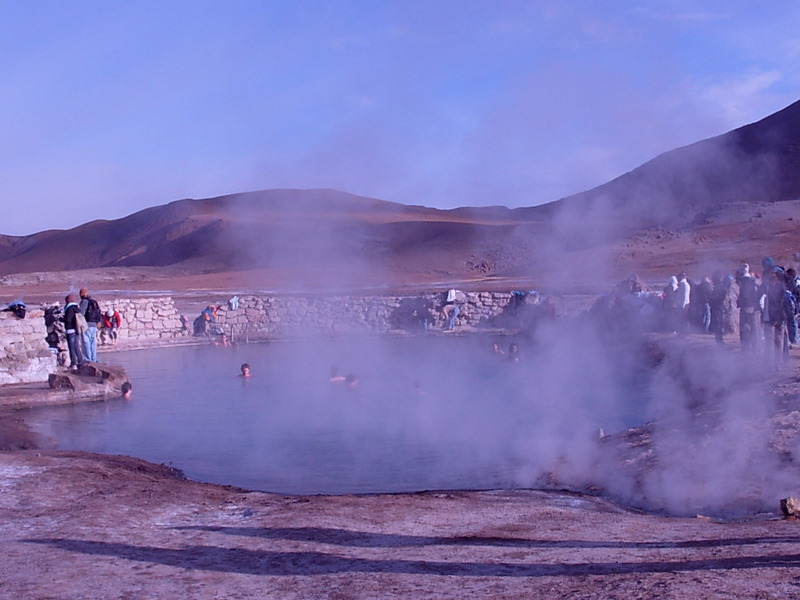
(684, 293)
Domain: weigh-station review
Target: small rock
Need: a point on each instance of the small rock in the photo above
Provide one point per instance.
(59, 381)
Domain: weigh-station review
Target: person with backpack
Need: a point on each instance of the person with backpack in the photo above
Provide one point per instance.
(91, 311)
(777, 313)
(793, 305)
(74, 343)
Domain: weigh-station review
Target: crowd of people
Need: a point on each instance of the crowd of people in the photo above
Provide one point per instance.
(73, 331)
(763, 307)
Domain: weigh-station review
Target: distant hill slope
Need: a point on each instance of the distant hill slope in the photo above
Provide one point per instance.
(728, 198)
(759, 162)
(276, 228)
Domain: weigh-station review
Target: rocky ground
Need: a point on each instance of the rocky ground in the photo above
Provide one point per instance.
(84, 526)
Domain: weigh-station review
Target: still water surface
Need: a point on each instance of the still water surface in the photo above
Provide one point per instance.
(427, 413)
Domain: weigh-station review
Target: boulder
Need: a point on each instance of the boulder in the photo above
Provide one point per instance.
(90, 380)
(790, 507)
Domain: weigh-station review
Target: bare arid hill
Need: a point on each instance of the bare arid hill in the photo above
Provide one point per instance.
(279, 237)
(723, 200)
(759, 162)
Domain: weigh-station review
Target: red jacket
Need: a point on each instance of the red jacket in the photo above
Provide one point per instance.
(117, 320)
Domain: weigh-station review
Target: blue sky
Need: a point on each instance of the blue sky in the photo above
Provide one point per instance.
(111, 107)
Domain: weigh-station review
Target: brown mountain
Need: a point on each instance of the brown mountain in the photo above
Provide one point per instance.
(759, 162)
(723, 200)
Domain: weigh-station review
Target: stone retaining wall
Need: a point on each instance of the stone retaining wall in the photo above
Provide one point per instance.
(147, 319)
(24, 354)
(259, 317)
(263, 316)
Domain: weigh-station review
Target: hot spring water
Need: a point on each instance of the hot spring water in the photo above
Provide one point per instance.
(427, 413)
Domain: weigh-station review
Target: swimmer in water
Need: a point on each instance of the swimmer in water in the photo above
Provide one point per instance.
(513, 353)
(351, 380)
(335, 377)
(245, 370)
(127, 390)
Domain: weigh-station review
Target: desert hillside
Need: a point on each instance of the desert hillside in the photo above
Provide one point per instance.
(759, 162)
(719, 201)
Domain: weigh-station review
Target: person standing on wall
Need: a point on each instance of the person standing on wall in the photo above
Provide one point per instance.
(91, 310)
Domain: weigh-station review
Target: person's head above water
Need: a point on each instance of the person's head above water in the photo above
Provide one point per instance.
(245, 370)
(127, 390)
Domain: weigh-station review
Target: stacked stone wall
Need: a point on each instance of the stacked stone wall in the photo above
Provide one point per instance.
(24, 354)
(147, 319)
(263, 316)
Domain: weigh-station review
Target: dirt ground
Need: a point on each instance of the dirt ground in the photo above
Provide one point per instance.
(83, 526)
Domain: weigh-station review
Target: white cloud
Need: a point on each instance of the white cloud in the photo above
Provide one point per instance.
(741, 100)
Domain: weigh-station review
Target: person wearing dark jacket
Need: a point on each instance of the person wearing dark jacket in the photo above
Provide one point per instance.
(723, 304)
(704, 292)
(74, 342)
(749, 309)
(91, 310)
(776, 289)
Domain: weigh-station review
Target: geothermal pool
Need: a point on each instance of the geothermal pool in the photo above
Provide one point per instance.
(427, 413)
